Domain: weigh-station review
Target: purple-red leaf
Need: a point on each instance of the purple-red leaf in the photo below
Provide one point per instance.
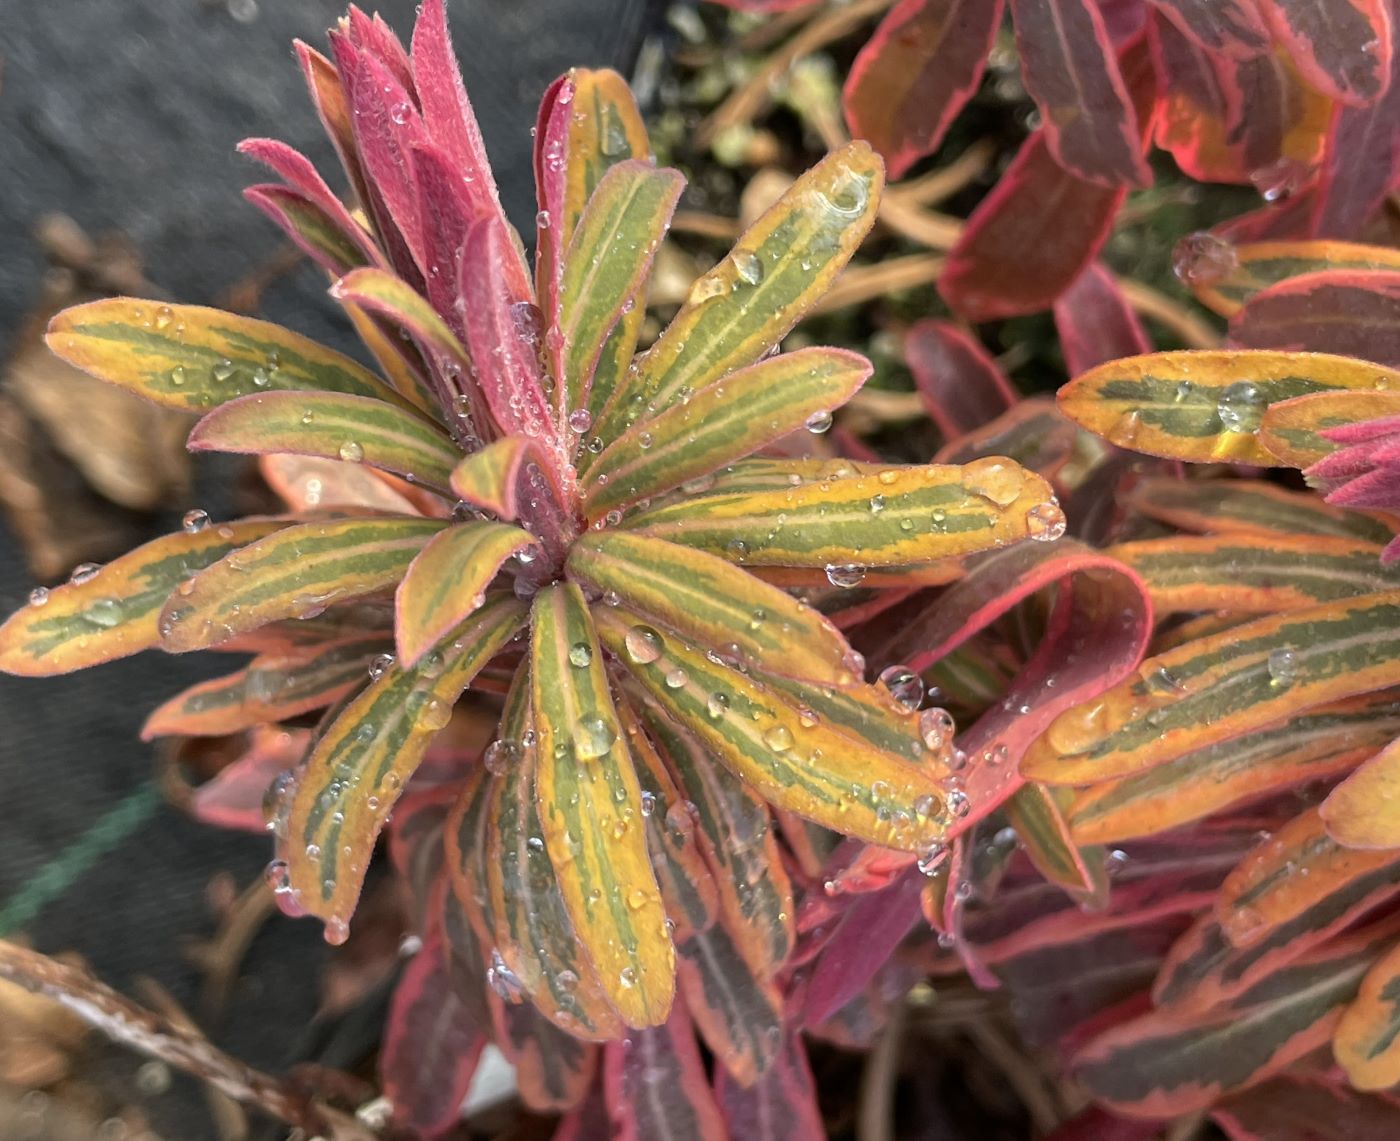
(1071, 71)
(1230, 26)
(431, 1046)
(656, 1085)
(1342, 47)
(1095, 322)
(780, 1106)
(1354, 313)
(916, 72)
(962, 387)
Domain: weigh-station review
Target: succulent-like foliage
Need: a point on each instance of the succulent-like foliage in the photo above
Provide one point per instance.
(524, 507)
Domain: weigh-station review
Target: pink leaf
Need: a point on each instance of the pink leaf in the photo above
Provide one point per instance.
(1230, 26)
(780, 1106)
(1342, 47)
(234, 798)
(656, 1085)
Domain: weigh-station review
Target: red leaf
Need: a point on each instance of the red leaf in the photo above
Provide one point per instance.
(962, 387)
(1342, 47)
(656, 1085)
(1071, 71)
(1230, 26)
(234, 797)
(502, 333)
(551, 181)
(780, 1106)
(1363, 163)
(431, 1046)
(1096, 324)
(1354, 313)
(915, 74)
(1028, 239)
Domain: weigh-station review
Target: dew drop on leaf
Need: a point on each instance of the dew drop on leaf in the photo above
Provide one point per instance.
(748, 266)
(580, 655)
(1283, 667)
(1045, 523)
(104, 612)
(643, 644)
(904, 685)
(351, 452)
(1241, 407)
(1203, 259)
(194, 521)
(778, 738)
(595, 736)
(819, 422)
(39, 596)
(845, 576)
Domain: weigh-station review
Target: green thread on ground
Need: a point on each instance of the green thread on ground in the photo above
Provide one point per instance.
(62, 871)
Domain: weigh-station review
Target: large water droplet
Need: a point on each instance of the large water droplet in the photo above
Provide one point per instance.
(845, 576)
(194, 521)
(819, 422)
(905, 686)
(580, 420)
(351, 452)
(580, 655)
(1203, 259)
(1283, 667)
(778, 738)
(748, 266)
(1241, 407)
(595, 736)
(1045, 522)
(643, 644)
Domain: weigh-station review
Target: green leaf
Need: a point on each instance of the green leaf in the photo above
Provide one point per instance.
(275, 687)
(1037, 814)
(725, 422)
(192, 358)
(447, 580)
(783, 751)
(608, 262)
(839, 514)
(712, 603)
(114, 613)
(590, 807)
(378, 291)
(294, 573)
(534, 933)
(781, 267)
(335, 427)
(362, 761)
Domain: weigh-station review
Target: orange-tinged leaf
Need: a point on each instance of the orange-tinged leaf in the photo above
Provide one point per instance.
(779, 269)
(1176, 1060)
(494, 478)
(727, 421)
(297, 572)
(274, 687)
(1224, 686)
(114, 613)
(393, 358)
(1206, 406)
(837, 514)
(379, 292)
(1364, 810)
(1254, 574)
(738, 1012)
(193, 358)
(710, 602)
(1254, 266)
(605, 129)
(447, 580)
(797, 761)
(333, 426)
(590, 807)
(1290, 431)
(1309, 746)
(1367, 1041)
(534, 934)
(1299, 870)
(736, 836)
(309, 484)
(361, 762)
(1250, 507)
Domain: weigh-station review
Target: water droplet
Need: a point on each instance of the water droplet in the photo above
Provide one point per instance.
(501, 979)
(717, 705)
(224, 370)
(645, 440)
(379, 666)
(1203, 259)
(1283, 667)
(676, 678)
(845, 576)
(748, 266)
(39, 596)
(436, 714)
(499, 756)
(995, 482)
(958, 804)
(351, 452)
(1241, 407)
(278, 876)
(580, 655)
(399, 113)
(542, 219)
(1045, 522)
(104, 612)
(877, 504)
(580, 420)
(643, 645)
(83, 573)
(932, 860)
(778, 738)
(819, 422)
(628, 977)
(707, 288)
(194, 521)
(164, 315)
(594, 738)
(648, 802)
(905, 686)
(638, 898)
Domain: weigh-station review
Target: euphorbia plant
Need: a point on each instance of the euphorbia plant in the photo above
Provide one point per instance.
(525, 503)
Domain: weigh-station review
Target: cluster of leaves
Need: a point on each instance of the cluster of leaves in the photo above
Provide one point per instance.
(597, 623)
(1292, 98)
